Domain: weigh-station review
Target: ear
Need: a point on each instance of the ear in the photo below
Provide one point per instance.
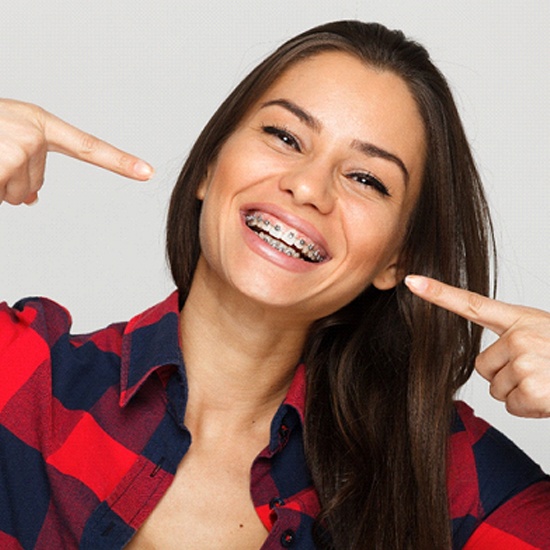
(201, 189)
(388, 277)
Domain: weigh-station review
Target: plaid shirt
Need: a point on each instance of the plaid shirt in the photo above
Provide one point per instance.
(92, 431)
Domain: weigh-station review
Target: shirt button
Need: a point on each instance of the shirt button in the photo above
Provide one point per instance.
(276, 502)
(283, 433)
(287, 538)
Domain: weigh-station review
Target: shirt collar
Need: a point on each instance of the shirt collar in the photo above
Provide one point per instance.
(150, 341)
(296, 395)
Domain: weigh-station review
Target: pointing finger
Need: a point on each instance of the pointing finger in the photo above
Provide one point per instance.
(69, 140)
(492, 314)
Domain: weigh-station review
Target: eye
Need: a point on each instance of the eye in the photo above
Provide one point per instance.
(369, 180)
(283, 135)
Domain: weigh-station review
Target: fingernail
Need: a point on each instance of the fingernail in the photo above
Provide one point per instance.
(142, 169)
(35, 201)
(416, 282)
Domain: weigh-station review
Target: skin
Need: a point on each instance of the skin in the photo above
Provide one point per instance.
(274, 299)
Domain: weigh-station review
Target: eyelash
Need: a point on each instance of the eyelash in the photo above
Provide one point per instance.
(284, 135)
(364, 178)
(370, 180)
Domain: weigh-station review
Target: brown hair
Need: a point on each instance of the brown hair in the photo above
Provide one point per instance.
(383, 370)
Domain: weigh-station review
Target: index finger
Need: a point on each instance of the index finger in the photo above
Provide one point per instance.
(492, 314)
(69, 140)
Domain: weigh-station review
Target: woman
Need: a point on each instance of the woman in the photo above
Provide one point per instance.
(315, 407)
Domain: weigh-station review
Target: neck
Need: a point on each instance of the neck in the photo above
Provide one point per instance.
(240, 357)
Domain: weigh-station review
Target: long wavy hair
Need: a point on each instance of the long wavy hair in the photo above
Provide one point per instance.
(382, 372)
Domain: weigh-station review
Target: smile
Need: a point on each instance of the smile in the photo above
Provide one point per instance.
(286, 240)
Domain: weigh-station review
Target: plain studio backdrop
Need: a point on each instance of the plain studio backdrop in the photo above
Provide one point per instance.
(147, 75)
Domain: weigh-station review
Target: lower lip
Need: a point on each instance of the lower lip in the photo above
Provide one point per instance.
(260, 247)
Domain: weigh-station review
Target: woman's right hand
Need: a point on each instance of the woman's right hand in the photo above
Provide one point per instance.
(28, 133)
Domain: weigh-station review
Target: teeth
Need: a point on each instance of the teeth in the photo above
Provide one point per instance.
(276, 231)
(288, 237)
(278, 245)
(284, 241)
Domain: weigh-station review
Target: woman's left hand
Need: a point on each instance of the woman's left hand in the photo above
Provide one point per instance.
(517, 365)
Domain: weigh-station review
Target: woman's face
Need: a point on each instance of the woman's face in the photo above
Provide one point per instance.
(308, 200)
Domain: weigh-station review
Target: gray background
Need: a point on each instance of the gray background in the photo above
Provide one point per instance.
(147, 74)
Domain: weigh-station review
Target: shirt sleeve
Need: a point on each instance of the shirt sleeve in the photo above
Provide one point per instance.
(28, 331)
(521, 523)
(499, 497)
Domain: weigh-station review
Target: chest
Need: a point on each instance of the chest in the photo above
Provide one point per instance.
(208, 505)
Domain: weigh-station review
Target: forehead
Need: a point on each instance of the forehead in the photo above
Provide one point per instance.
(342, 80)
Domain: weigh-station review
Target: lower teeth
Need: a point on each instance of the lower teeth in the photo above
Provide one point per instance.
(278, 245)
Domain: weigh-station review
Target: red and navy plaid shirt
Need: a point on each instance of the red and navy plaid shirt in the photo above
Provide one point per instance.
(92, 431)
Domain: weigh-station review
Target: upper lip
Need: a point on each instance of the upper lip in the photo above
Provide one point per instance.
(290, 220)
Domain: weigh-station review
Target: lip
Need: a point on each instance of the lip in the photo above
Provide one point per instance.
(289, 220)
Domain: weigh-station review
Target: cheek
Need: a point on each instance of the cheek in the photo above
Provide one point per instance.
(374, 246)
(204, 231)
(210, 215)
(372, 228)
(218, 220)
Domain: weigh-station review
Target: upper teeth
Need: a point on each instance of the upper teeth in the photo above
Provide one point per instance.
(278, 234)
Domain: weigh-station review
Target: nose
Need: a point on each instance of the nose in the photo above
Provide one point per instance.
(311, 184)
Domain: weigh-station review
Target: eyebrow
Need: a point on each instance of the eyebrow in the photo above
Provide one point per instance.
(304, 116)
(373, 151)
(364, 147)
